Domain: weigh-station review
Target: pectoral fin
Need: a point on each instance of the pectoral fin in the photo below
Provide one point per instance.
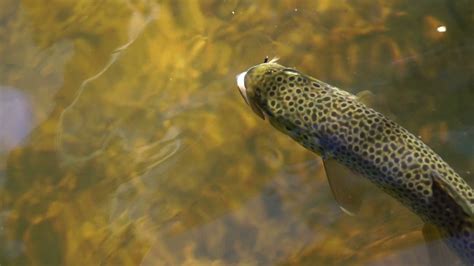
(348, 188)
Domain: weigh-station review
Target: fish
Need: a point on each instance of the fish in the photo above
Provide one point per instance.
(345, 131)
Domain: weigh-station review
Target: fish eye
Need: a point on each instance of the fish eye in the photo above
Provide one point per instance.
(270, 71)
(265, 60)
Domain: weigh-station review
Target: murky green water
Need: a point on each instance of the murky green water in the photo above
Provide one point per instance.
(124, 140)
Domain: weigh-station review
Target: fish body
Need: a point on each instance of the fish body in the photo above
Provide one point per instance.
(337, 125)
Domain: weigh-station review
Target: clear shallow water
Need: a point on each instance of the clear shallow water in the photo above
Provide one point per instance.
(133, 146)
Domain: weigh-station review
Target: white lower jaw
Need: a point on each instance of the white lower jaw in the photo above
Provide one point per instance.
(241, 85)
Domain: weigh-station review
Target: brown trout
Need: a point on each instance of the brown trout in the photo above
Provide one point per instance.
(339, 127)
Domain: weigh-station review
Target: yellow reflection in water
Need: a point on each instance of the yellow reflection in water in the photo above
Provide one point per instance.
(142, 151)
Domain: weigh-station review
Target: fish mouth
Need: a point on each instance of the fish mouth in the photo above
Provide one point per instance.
(241, 84)
(243, 91)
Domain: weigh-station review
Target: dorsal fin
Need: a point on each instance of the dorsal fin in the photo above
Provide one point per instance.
(375, 102)
(454, 193)
(366, 97)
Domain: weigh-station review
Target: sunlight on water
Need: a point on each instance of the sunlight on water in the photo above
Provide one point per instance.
(124, 140)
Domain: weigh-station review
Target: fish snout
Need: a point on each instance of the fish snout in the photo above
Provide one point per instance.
(241, 84)
(244, 92)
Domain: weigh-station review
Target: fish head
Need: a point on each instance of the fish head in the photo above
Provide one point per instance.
(257, 83)
(281, 94)
(253, 85)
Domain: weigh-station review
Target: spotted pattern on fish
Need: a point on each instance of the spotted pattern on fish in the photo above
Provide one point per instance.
(335, 124)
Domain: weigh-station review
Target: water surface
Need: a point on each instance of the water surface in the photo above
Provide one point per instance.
(124, 140)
